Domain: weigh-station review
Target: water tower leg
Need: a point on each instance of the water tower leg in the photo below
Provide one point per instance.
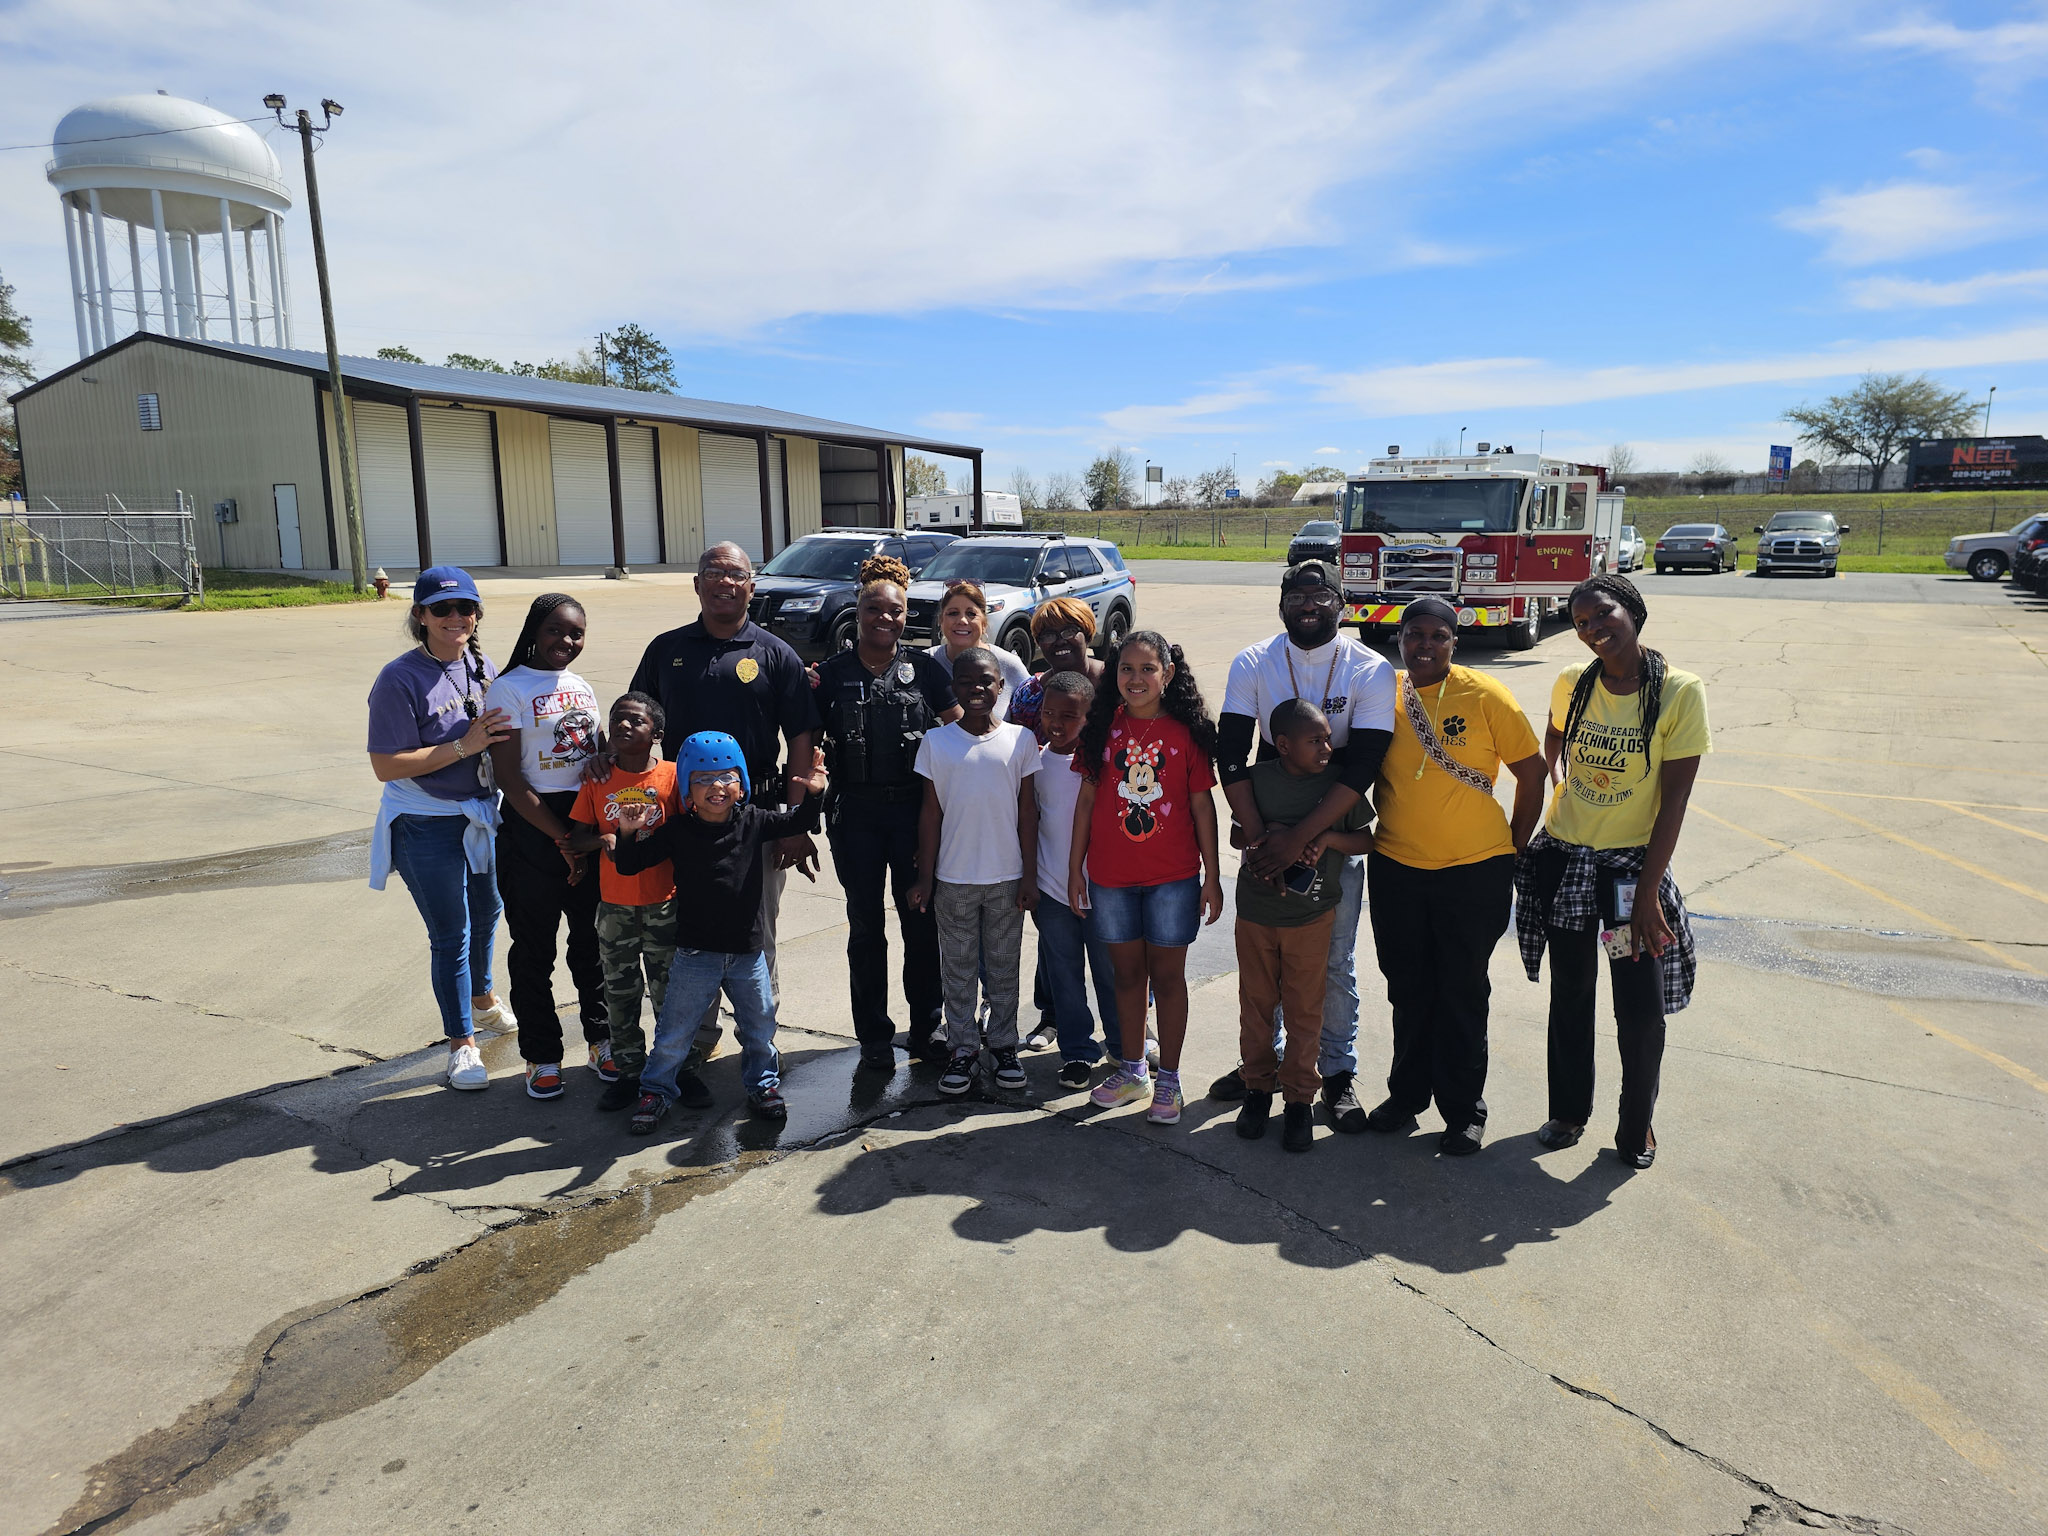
(77, 278)
(249, 271)
(284, 272)
(92, 280)
(186, 279)
(172, 325)
(276, 281)
(135, 277)
(227, 268)
(106, 278)
(197, 252)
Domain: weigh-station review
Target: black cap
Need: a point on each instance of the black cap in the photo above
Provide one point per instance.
(1312, 573)
(1431, 607)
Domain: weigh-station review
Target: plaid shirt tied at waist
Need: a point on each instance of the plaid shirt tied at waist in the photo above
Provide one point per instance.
(1557, 885)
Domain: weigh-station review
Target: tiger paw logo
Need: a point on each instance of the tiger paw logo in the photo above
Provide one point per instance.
(1139, 789)
(1453, 728)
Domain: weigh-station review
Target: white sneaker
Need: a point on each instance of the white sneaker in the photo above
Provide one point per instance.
(466, 1069)
(497, 1016)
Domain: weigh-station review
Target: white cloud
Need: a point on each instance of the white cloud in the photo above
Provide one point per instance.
(1193, 415)
(1471, 384)
(2003, 45)
(1904, 219)
(1331, 452)
(713, 169)
(1916, 293)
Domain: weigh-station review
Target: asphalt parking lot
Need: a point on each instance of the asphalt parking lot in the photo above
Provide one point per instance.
(262, 1273)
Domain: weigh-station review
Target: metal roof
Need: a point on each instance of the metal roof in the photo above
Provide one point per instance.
(535, 394)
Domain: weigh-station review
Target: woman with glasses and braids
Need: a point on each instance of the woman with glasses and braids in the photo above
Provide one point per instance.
(540, 768)
(1626, 734)
(430, 738)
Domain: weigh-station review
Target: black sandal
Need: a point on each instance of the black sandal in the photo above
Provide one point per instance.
(1641, 1159)
(1559, 1134)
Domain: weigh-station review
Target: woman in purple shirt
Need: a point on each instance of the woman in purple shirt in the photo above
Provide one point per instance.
(430, 740)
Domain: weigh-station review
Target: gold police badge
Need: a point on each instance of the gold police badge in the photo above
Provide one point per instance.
(747, 670)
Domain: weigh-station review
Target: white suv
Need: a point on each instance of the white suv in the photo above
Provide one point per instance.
(1017, 572)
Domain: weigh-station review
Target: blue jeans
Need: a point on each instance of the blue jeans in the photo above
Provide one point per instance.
(1165, 916)
(459, 906)
(1339, 1050)
(695, 978)
(1065, 940)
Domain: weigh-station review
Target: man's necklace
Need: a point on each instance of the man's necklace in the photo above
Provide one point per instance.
(1328, 677)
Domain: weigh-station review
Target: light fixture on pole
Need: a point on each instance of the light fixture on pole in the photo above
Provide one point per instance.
(358, 561)
(1987, 409)
(1461, 440)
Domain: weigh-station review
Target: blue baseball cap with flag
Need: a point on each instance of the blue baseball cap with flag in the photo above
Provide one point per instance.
(439, 583)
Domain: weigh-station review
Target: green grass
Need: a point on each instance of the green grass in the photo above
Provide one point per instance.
(1233, 552)
(224, 590)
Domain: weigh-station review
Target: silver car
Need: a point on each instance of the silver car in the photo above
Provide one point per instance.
(1988, 556)
(1799, 541)
(1629, 549)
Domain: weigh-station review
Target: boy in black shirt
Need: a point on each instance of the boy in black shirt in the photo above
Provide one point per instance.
(720, 924)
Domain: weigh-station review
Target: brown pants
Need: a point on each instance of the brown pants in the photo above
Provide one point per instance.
(1276, 967)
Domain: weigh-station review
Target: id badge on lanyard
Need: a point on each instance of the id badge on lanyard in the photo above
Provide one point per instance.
(1617, 906)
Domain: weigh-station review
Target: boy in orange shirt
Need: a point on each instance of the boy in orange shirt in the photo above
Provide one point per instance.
(636, 914)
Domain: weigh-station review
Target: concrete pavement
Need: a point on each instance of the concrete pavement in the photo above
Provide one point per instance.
(363, 1302)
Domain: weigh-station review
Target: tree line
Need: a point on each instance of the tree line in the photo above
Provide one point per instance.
(626, 358)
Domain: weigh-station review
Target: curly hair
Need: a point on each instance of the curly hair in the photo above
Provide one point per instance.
(1649, 674)
(1182, 701)
(1060, 614)
(529, 632)
(879, 568)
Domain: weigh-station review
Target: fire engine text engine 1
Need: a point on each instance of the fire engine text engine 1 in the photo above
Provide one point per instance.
(1502, 536)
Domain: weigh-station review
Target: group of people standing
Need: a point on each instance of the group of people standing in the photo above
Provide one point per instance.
(968, 794)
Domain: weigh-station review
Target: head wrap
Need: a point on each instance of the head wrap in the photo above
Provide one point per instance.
(1430, 607)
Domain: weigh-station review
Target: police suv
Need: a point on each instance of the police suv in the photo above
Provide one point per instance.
(1019, 571)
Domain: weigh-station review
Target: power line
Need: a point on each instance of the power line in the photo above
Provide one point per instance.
(151, 133)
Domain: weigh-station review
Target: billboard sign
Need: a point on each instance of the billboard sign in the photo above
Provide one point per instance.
(1781, 461)
(1155, 473)
(1969, 463)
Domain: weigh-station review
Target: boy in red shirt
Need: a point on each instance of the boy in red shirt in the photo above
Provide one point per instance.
(636, 914)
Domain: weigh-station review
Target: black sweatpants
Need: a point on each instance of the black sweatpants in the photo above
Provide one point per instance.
(1434, 931)
(1639, 1025)
(874, 839)
(533, 882)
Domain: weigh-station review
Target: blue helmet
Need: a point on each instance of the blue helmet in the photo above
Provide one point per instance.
(709, 750)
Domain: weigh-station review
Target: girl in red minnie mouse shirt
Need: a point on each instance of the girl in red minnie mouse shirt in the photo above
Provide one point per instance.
(1144, 854)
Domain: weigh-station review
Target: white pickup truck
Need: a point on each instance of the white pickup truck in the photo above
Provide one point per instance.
(1988, 556)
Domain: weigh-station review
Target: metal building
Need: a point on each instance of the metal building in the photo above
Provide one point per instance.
(477, 469)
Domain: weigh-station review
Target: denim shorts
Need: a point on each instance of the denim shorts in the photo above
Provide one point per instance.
(1168, 916)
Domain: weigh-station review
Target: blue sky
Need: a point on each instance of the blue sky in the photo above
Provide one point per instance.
(1289, 232)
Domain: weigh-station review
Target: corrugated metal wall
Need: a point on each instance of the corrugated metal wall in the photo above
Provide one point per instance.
(529, 485)
(682, 494)
(806, 498)
(230, 430)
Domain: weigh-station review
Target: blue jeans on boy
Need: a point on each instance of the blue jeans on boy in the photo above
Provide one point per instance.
(695, 978)
(1339, 1049)
(458, 905)
(1067, 947)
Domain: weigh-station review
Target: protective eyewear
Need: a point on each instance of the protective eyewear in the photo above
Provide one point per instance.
(461, 606)
(715, 776)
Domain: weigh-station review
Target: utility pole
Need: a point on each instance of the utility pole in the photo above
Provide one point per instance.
(358, 558)
(1987, 409)
(1461, 440)
(604, 372)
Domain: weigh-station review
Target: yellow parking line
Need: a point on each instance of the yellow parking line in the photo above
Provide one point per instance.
(2004, 1063)
(1881, 762)
(1962, 808)
(1864, 794)
(1870, 890)
(1918, 847)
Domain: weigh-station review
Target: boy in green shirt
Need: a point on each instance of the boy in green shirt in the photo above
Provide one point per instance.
(1283, 927)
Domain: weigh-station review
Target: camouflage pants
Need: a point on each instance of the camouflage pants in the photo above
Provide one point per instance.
(629, 938)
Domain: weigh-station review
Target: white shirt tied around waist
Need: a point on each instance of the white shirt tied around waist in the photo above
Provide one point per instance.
(402, 797)
(1350, 683)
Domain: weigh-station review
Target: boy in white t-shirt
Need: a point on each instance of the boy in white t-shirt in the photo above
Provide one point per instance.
(977, 866)
(1067, 945)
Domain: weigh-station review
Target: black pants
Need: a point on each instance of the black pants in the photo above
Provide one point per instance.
(1638, 1021)
(875, 839)
(1434, 931)
(533, 881)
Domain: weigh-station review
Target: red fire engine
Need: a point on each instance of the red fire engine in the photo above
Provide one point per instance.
(1502, 536)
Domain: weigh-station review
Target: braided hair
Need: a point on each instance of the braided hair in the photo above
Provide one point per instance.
(880, 568)
(1649, 674)
(529, 632)
(1182, 701)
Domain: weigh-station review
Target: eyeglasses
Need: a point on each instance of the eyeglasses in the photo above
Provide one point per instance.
(1067, 637)
(455, 605)
(707, 777)
(1309, 597)
(726, 573)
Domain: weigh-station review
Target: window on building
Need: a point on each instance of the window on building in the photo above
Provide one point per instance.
(149, 413)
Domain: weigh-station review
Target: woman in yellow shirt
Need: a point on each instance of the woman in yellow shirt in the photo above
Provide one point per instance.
(1626, 734)
(1442, 871)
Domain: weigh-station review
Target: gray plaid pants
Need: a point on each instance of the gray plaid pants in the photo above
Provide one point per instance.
(980, 930)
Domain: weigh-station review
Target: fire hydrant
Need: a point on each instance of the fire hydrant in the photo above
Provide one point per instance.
(382, 583)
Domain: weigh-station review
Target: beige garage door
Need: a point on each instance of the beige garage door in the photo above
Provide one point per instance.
(391, 534)
(583, 492)
(636, 486)
(462, 487)
(731, 471)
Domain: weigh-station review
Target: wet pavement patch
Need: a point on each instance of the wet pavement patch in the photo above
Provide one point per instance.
(1885, 962)
(344, 856)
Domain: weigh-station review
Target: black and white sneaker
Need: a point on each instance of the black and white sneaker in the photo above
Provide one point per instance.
(1076, 1074)
(1340, 1097)
(959, 1074)
(1462, 1140)
(1009, 1071)
(1043, 1038)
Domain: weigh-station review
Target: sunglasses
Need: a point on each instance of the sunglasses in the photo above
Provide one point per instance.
(455, 605)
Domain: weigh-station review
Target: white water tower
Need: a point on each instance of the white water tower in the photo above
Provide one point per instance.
(163, 200)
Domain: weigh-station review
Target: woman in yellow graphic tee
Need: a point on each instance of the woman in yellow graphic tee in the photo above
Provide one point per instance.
(1441, 873)
(1626, 734)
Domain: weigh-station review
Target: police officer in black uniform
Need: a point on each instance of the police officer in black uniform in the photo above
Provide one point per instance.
(876, 700)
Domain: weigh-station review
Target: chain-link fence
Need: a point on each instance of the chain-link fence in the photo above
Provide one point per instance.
(53, 553)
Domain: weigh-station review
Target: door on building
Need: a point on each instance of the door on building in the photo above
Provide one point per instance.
(391, 535)
(583, 492)
(730, 470)
(462, 486)
(636, 486)
(850, 486)
(289, 554)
